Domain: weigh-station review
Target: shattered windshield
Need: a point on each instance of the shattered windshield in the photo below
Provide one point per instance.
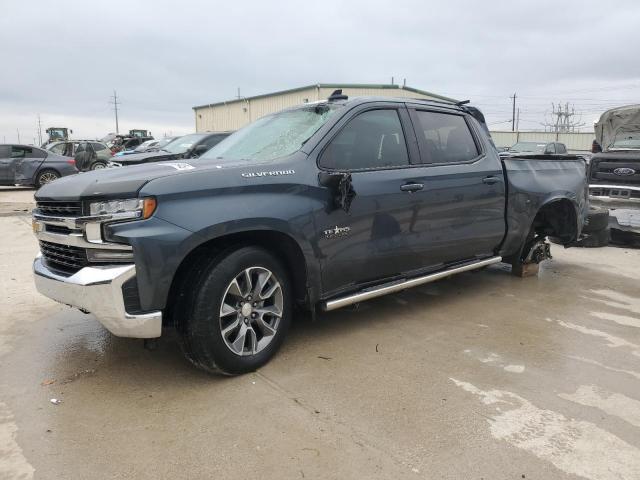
(627, 138)
(274, 136)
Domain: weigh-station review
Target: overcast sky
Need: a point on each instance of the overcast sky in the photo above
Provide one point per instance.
(63, 59)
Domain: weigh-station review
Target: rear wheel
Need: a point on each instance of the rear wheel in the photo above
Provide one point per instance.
(98, 165)
(46, 176)
(236, 312)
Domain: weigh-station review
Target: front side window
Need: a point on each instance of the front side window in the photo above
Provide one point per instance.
(551, 148)
(446, 138)
(274, 136)
(373, 139)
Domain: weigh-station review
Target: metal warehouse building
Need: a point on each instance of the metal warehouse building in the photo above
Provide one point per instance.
(233, 114)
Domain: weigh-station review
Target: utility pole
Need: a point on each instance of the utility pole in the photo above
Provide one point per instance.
(115, 108)
(39, 131)
(513, 114)
(17, 130)
(239, 96)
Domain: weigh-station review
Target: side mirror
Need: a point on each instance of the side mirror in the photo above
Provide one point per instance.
(341, 188)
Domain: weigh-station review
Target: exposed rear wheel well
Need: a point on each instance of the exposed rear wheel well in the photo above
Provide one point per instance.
(281, 245)
(557, 219)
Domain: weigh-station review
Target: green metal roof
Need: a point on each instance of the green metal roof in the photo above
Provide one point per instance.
(331, 85)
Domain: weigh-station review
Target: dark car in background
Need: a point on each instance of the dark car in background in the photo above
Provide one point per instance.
(189, 146)
(32, 166)
(92, 155)
(535, 148)
(148, 146)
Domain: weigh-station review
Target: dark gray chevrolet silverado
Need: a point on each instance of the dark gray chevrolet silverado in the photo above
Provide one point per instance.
(318, 206)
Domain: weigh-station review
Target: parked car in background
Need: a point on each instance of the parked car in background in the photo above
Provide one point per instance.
(614, 181)
(32, 166)
(92, 155)
(125, 142)
(189, 146)
(148, 146)
(318, 206)
(535, 148)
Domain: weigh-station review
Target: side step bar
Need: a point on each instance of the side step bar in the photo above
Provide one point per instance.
(404, 284)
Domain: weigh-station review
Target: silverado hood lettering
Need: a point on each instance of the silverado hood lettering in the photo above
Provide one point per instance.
(273, 173)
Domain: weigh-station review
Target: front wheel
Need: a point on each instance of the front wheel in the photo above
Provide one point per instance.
(236, 312)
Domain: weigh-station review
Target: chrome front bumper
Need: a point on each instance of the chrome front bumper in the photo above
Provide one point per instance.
(98, 290)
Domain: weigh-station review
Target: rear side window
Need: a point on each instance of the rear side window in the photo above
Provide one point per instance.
(373, 139)
(27, 152)
(98, 146)
(59, 148)
(444, 138)
(560, 148)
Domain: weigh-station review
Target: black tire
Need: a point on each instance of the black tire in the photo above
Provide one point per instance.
(46, 176)
(595, 239)
(597, 220)
(200, 325)
(98, 165)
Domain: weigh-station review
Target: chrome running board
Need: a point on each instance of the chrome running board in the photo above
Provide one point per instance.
(393, 287)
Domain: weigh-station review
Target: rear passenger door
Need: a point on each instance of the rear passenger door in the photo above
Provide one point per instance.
(462, 205)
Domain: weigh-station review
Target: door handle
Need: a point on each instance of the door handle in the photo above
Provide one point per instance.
(412, 187)
(491, 180)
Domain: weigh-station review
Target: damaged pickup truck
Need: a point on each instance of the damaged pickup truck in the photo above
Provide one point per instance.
(615, 172)
(318, 206)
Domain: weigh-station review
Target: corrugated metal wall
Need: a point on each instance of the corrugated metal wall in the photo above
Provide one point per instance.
(574, 141)
(236, 114)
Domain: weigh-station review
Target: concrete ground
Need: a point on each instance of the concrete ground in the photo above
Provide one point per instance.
(483, 376)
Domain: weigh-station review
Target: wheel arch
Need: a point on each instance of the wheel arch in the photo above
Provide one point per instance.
(283, 245)
(558, 217)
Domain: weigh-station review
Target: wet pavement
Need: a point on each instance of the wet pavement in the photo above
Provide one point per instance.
(483, 375)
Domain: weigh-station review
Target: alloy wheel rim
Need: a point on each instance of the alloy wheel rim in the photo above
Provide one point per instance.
(47, 177)
(251, 311)
(98, 166)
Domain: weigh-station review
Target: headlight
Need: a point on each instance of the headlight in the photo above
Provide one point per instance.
(137, 207)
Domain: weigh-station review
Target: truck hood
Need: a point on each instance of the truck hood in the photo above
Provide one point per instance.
(120, 182)
(615, 122)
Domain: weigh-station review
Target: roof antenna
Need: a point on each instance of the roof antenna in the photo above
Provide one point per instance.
(462, 102)
(337, 95)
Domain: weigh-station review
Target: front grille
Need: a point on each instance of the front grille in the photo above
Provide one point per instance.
(604, 172)
(65, 209)
(58, 229)
(65, 258)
